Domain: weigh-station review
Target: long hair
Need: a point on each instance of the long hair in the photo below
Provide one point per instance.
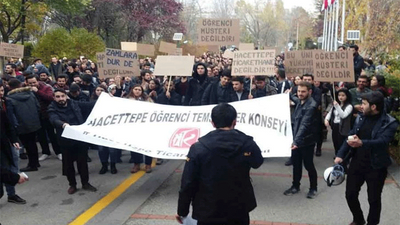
(348, 96)
(142, 97)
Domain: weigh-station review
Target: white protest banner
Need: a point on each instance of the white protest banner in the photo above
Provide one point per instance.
(218, 32)
(141, 49)
(256, 62)
(11, 50)
(117, 62)
(123, 124)
(174, 65)
(333, 66)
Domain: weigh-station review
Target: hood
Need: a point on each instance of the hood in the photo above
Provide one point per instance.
(20, 94)
(196, 75)
(41, 69)
(226, 143)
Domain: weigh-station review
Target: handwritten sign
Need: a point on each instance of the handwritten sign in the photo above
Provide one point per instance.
(11, 50)
(174, 65)
(256, 62)
(115, 62)
(166, 47)
(141, 49)
(298, 63)
(218, 31)
(333, 66)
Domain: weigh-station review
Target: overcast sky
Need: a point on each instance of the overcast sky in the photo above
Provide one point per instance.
(308, 5)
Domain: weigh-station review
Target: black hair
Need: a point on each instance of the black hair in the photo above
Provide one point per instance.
(12, 65)
(62, 76)
(363, 77)
(347, 93)
(143, 73)
(59, 90)
(226, 73)
(30, 76)
(237, 78)
(374, 98)
(281, 73)
(342, 46)
(381, 80)
(14, 83)
(305, 84)
(308, 75)
(260, 78)
(355, 47)
(223, 115)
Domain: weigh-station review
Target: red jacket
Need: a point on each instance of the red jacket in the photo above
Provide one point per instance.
(45, 97)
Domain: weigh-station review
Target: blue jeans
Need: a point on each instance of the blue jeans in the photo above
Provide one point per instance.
(15, 155)
(105, 152)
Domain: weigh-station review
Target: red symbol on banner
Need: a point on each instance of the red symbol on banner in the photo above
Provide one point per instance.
(184, 137)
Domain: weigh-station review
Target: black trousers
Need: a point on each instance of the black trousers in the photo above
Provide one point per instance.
(304, 154)
(138, 158)
(48, 130)
(337, 138)
(29, 142)
(375, 180)
(234, 221)
(77, 152)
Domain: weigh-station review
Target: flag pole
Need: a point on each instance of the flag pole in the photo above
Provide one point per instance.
(337, 24)
(324, 32)
(343, 19)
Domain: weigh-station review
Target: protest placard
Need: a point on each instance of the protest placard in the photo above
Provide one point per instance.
(178, 51)
(11, 50)
(174, 65)
(256, 62)
(166, 47)
(246, 46)
(178, 127)
(218, 31)
(117, 62)
(333, 66)
(298, 63)
(141, 49)
(213, 48)
(228, 54)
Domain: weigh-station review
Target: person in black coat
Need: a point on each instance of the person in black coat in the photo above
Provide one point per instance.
(169, 97)
(359, 64)
(197, 85)
(304, 121)
(262, 88)
(216, 177)
(218, 92)
(239, 93)
(62, 113)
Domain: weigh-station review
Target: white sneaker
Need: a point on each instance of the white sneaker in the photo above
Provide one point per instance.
(43, 157)
(59, 156)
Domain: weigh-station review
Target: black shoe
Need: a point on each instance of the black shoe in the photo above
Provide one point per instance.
(72, 190)
(23, 156)
(89, 187)
(104, 168)
(289, 162)
(356, 223)
(88, 159)
(318, 153)
(29, 169)
(312, 193)
(113, 169)
(16, 199)
(159, 161)
(37, 165)
(291, 191)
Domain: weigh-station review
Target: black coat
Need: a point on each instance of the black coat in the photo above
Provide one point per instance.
(382, 134)
(8, 136)
(358, 65)
(8, 177)
(211, 97)
(176, 99)
(244, 96)
(304, 122)
(266, 91)
(196, 88)
(216, 176)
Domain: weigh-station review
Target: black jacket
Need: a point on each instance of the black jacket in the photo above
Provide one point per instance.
(23, 110)
(8, 177)
(176, 99)
(304, 122)
(196, 88)
(382, 134)
(211, 95)
(266, 91)
(8, 136)
(244, 96)
(358, 65)
(216, 176)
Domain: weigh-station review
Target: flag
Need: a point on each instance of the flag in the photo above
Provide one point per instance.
(325, 4)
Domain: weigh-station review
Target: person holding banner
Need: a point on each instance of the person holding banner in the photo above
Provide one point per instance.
(216, 177)
(169, 95)
(137, 93)
(218, 92)
(304, 139)
(262, 88)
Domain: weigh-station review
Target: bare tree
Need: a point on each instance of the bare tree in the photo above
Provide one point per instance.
(223, 8)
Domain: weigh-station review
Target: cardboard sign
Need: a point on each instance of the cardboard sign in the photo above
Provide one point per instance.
(141, 49)
(166, 47)
(218, 32)
(333, 66)
(213, 48)
(115, 62)
(298, 63)
(174, 65)
(256, 62)
(178, 51)
(228, 54)
(11, 50)
(246, 46)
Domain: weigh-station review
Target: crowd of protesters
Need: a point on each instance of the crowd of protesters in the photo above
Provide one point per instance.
(39, 101)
